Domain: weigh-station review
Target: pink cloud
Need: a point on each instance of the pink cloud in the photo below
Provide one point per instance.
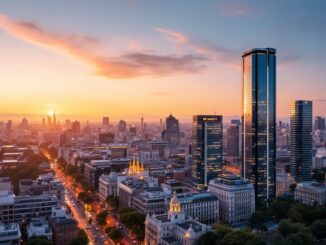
(130, 65)
(213, 52)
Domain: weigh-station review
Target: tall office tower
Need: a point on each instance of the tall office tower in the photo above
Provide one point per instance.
(122, 126)
(207, 148)
(301, 140)
(75, 127)
(67, 123)
(233, 139)
(106, 122)
(171, 133)
(259, 121)
(319, 123)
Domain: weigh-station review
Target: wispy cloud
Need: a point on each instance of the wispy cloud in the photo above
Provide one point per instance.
(211, 51)
(82, 47)
(235, 8)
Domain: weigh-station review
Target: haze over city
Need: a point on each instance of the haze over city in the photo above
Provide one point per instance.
(132, 58)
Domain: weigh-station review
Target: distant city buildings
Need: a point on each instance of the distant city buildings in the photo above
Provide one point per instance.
(171, 133)
(207, 148)
(259, 121)
(320, 123)
(236, 199)
(301, 140)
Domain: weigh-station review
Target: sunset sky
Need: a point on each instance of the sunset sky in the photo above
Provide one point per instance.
(125, 59)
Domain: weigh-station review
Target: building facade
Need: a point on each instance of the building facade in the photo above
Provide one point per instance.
(310, 193)
(203, 207)
(171, 133)
(207, 148)
(175, 227)
(301, 140)
(259, 121)
(236, 198)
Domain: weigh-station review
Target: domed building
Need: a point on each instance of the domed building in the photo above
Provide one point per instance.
(173, 228)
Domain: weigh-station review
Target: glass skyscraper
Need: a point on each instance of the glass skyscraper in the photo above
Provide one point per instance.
(207, 148)
(301, 140)
(259, 121)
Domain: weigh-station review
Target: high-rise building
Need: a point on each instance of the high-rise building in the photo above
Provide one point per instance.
(207, 148)
(75, 127)
(233, 139)
(301, 140)
(259, 121)
(171, 133)
(105, 122)
(319, 123)
(122, 126)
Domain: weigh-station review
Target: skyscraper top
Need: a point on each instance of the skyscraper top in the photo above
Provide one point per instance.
(259, 50)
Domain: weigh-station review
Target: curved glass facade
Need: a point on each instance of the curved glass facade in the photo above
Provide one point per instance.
(259, 121)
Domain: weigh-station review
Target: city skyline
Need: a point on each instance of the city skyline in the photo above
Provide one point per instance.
(84, 64)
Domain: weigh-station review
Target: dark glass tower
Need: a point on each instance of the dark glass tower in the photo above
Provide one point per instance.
(207, 148)
(259, 121)
(301, 140)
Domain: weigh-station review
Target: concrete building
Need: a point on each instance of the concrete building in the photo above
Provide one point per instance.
(24, 208)
(108, 186)
(203, 207)
(175, 227)
(5, 184)
(63, 226)
(130, 187)
(151, 202)
(236, 198)
(310, 193)
(283, 182)
(39, 228)
(93, 171)
(10, 234)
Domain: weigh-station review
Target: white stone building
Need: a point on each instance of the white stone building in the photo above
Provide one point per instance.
(236, 198)
(283, 182)
(310, 193)
(173, 228)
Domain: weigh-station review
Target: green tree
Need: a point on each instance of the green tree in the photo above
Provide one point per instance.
(81, 239)
(40, 240)
(241, 238)
(101, 217)
(207, 238)
(318, 175)
(318, 229)
(134, 221)
(286, 227)
(292, 187)
(222, 230)
(300, 213)
(113, 201)
(258, 220)
(301, 238)
(85, 197)
(115, 234)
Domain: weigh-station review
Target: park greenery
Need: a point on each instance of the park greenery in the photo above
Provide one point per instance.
(134, 221)
(85, 197)
(39, 240)
(113, 201)
(81, 239)
(114, 234)
(101, 217)
(225, 235)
